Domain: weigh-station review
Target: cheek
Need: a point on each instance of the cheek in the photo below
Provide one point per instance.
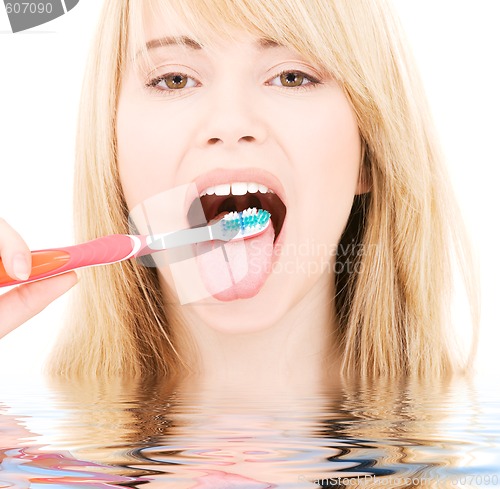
(327, 170)
(148, 146)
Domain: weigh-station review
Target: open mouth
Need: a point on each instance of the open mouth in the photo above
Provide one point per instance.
(221, 199)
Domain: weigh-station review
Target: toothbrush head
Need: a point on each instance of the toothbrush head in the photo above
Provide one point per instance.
(233, 226)
(239, 225)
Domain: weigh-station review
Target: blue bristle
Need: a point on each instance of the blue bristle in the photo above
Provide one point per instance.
(241, 222)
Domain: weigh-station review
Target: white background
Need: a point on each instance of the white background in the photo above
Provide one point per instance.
(456, 44)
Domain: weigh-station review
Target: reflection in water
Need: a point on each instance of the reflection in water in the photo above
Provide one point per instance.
(183, 435)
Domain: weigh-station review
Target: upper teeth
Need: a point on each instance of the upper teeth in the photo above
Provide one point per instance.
(236, 188)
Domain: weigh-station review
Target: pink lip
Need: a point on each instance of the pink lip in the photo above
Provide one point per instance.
(258, 175)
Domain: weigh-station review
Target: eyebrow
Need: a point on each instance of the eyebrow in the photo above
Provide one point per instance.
(260, 44)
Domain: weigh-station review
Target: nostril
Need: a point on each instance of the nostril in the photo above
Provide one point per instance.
(213, 141)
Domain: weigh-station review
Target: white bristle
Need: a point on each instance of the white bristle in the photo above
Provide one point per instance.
(235, 215)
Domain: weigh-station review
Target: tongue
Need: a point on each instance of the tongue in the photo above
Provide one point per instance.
(236, 269)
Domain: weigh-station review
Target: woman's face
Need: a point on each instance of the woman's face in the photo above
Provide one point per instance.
(224, 116)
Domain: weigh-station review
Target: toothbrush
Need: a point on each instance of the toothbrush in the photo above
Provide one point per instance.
(119, 247)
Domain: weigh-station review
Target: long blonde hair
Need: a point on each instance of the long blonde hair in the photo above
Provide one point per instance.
(393, 315)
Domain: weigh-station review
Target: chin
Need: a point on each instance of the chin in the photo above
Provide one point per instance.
(248, 315)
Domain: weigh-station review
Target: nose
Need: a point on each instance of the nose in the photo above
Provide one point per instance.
(232, 118)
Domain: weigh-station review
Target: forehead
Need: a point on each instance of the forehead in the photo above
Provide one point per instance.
(164, 30)
(216, 25)
(161, 20)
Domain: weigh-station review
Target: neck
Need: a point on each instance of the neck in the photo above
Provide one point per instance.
(296, 352)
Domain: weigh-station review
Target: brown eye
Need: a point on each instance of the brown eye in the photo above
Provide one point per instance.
(175, 81)
(171, 82)
(294, 79)
(291, 79)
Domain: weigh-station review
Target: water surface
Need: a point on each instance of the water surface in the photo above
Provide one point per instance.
(165, 435)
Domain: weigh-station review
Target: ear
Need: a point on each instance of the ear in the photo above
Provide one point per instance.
(364, 179)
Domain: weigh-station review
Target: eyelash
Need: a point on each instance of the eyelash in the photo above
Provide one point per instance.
(152, 85)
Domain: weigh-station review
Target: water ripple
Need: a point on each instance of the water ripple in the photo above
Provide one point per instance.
(161, 435)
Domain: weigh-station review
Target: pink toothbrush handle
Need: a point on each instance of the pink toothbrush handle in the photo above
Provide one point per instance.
(100, 251)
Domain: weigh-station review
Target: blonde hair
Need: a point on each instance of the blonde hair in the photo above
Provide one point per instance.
(393, 315)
